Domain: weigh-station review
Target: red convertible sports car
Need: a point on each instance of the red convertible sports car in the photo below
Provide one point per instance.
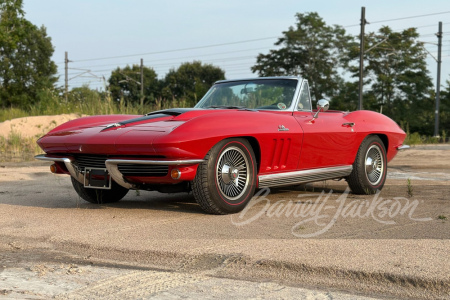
(242, 135)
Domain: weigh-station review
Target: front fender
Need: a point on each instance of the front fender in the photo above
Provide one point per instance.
(194, 138)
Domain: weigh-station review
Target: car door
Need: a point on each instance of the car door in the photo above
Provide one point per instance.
(328, 140)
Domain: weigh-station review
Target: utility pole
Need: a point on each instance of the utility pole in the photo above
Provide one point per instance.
(438, 83)
(142, 83)
(361, 57)
(66, 79)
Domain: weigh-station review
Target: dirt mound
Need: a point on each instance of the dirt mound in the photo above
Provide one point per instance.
(34, 126)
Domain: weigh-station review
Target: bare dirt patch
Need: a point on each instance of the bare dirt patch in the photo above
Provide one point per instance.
(35, 126)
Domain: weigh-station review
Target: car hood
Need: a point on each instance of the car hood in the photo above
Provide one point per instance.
(116, 134)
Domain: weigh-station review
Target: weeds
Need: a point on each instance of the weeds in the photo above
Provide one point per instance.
(417, 139)
(17, 148)
(442, 217)
(409, 188)
(12, 113)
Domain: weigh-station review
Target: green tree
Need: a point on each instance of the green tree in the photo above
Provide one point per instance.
(397, 81)
(312, 50)
(26, 67)
(346, 99)
(125, 83)
(444, 110)
(191, 81)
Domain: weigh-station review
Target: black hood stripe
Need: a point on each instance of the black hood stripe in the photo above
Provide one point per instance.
(153, 115)
(157, 114)
(144, 118)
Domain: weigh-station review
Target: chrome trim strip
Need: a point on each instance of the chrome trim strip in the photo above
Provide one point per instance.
(73, 170)
(113, 167)
(259, 78)
(403, 147)
(298, 177)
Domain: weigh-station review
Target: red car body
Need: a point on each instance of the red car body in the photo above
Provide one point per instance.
(164, 149)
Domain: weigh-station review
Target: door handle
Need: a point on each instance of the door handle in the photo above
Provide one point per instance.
(349, 124)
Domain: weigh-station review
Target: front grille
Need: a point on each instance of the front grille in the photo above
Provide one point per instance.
(98, 161)
(143, 170)
(90, 161)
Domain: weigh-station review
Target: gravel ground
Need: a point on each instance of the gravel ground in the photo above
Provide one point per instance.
(316, 240)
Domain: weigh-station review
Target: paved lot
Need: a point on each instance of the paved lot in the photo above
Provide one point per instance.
(315, 240)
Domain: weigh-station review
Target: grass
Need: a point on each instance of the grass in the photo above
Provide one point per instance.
(417, 139)
(91, 104)
(409, 188)
(12, 113)
(442, 217)
(17, 148)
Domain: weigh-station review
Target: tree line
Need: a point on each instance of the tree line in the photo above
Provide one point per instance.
(396, 80)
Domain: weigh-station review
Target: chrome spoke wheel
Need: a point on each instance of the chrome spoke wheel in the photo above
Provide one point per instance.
(369, 168)
(225, 182)
(232, 173)
(374, 164)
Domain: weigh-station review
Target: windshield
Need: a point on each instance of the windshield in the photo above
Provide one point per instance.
(275, 94)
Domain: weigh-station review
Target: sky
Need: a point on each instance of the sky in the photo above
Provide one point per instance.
(101, 35)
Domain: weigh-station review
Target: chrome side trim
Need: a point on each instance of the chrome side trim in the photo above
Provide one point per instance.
(73, 170)
(113, 169)
(403, 147)
(299, 177)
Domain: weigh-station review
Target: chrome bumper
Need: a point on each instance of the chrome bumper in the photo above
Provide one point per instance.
(403, 147)
(113, 169)
(73, 170)
(112, 166)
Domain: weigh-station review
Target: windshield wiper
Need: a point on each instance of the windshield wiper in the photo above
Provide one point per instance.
(226, 106)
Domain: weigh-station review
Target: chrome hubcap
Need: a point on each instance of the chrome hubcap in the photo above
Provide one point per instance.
(232, 173)
(374, 164)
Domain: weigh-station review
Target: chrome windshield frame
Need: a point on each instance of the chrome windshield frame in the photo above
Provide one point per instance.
(295, 97)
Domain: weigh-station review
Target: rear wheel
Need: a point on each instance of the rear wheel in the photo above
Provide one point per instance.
(369, 168)
(226, 181)
(99, 196)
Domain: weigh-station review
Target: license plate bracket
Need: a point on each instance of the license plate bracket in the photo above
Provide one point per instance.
(97, 178)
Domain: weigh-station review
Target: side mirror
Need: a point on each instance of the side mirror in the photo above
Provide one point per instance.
(322, 105)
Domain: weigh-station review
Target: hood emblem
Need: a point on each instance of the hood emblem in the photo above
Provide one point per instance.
(112, 125)
(282, 128)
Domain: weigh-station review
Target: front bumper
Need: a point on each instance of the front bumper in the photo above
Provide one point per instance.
(112, 166)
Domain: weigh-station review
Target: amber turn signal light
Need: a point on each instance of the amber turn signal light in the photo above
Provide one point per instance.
(175, 174)
(53, 168)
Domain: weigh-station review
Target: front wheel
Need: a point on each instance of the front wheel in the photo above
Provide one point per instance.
(99, 196)
(226, 181)
(369, 168)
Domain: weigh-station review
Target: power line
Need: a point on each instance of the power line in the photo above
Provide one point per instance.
(225, 59)
(175, 59)
(411, 17)
(178, 50)
(431, 25)
(398, 19)
(244, 41)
